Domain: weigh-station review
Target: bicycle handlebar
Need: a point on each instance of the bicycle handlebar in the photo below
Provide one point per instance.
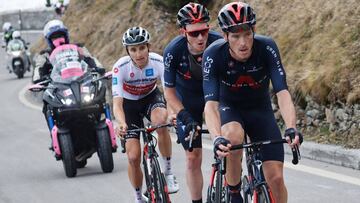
(149, 129)
(295, 150)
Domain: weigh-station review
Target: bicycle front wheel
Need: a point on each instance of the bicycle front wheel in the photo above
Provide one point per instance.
(262, 194)
(159, 183)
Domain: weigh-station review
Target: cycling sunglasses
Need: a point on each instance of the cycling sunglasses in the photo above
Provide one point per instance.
(198, 32)
(238, 28)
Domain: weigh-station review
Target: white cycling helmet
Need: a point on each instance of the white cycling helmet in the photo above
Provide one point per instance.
(16, 35)
(135, 36)
(7, 26)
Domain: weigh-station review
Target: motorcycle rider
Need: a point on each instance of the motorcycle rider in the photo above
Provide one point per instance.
(17, 35)
(8, 30)
(56, 34)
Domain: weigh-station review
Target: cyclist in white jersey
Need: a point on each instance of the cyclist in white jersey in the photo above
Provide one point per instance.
(135, 96)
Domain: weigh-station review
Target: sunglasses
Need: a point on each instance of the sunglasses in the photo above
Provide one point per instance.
(198, 32)
(238, 28)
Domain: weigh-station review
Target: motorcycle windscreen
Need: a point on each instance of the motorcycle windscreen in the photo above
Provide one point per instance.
(67, 64)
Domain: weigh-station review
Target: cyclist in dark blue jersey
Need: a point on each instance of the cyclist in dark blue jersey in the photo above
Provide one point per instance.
(183, 83)
(237, 71)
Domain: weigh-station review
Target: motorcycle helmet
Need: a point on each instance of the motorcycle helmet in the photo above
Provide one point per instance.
(135, 36)
(16, 35)
(236, 14)
(7, 26)
(54, 29)
(192, 13)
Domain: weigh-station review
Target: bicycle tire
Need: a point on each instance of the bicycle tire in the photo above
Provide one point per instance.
(160, 188)
(218, 187)
(262, 195)
(149, 190)
(245, 188)
(210, 198)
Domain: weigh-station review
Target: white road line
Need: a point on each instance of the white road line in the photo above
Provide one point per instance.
(23, 99)
(307, 169)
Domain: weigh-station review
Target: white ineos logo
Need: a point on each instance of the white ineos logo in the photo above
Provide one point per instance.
(206, 68)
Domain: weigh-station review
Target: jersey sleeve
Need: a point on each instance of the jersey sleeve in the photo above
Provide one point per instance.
(117, 82)
(276, 69)
(169, 67)
(210, 75)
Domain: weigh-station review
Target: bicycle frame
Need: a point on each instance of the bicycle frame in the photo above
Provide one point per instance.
(151, 165)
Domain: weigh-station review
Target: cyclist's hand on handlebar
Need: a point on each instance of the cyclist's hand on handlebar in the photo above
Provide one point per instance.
(190, 124)
(221, 146)
(192, 127)
(121, 129)
(293, 137)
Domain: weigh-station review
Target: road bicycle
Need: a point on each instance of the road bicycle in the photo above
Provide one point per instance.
(254, 186)
(156, 187)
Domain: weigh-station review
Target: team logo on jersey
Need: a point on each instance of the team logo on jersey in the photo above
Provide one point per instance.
(206, 67)
(231, 64)
(116, 70)
(132, 74)
(149, 72)
(114, 81)
(167, 61)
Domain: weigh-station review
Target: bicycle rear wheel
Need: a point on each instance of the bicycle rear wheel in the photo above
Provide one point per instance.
(159, 183)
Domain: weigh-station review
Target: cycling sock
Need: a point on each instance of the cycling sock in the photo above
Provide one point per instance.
(138, 194)
(167, 165)
(235, 195)
(197, 201)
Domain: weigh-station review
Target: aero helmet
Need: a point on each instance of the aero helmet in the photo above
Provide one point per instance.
(192, 13)
(236, 13)
(55, 28)
(135, 36)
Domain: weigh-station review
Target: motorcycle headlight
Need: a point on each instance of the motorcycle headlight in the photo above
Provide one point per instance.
(16, 53)
(88, 98)
(67, 101)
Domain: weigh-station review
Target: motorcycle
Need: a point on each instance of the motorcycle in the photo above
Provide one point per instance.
(18, 60)
(77, 112)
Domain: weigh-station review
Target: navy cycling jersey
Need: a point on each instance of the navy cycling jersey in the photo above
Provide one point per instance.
(245, 84)
(178, 64)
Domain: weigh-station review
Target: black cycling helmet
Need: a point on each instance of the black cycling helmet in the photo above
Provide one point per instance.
(235, 14)
(192, 13)
(135, 36)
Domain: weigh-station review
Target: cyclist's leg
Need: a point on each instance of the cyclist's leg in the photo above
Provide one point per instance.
(272, 155)
(133, 148)
(194, 104)
(157, 113)
(232, 129)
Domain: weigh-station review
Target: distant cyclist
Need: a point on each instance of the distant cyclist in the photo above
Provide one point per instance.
(183, 83)
(136, 96)
(237, 71)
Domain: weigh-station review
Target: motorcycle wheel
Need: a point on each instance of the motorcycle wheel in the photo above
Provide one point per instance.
(104, 150)
(67, 154)
(19, 72)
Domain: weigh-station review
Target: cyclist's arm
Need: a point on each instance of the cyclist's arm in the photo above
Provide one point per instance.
(174, 104)
(287, 108)
(278, 80)
(212, 118)
(211, 93)
(170, 63)
(119, 111)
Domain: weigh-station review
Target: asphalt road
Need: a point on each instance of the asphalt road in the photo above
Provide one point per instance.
(29, 172)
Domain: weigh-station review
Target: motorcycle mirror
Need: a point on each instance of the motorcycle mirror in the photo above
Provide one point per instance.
(36, 88)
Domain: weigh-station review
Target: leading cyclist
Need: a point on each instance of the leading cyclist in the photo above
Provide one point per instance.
(237, 71)
(135, 96)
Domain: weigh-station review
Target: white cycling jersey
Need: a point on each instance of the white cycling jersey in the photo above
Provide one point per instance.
(131, 82)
